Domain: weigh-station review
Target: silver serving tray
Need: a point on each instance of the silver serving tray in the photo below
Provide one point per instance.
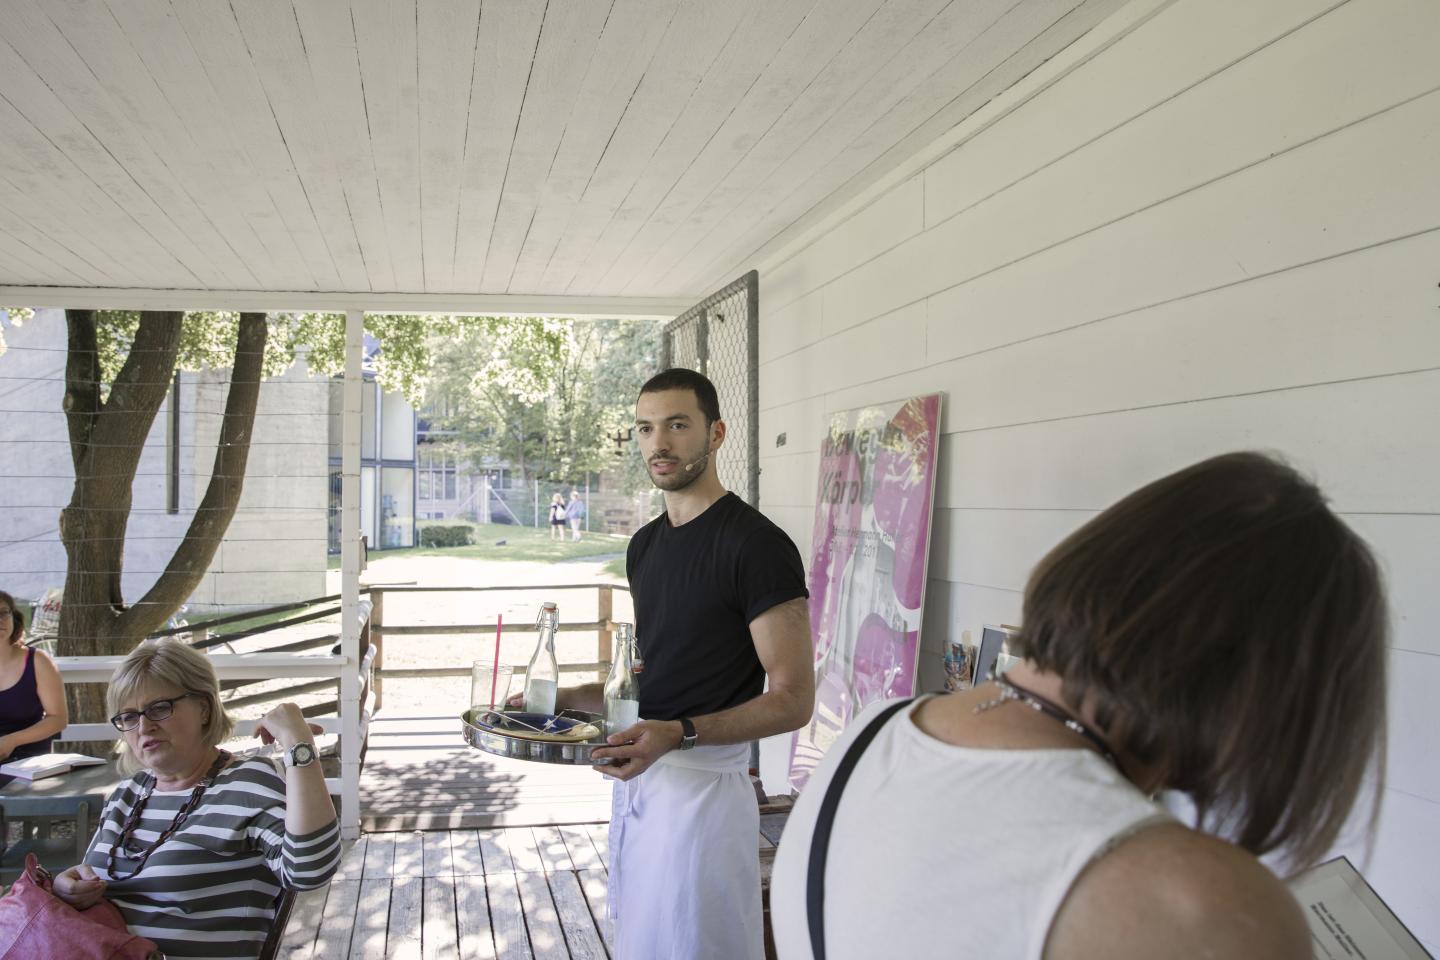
(536, 751)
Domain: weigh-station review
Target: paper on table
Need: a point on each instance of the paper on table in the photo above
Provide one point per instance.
(46, 765)
(1348, 920)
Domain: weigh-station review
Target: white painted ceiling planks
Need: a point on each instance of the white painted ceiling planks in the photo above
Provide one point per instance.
(569, 149)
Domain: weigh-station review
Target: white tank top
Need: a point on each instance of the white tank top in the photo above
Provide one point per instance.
(946, 851)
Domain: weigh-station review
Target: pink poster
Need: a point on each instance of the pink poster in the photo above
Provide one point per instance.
(867, 564)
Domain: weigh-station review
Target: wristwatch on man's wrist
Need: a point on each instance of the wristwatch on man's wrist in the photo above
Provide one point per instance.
(300, 755)
(687, 734)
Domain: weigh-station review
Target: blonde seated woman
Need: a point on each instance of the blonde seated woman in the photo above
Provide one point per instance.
(196, 847)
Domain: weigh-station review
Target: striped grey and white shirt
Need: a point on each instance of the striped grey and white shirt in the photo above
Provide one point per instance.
(211, 889)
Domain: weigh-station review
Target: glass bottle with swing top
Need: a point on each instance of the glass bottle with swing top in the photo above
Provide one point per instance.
(542, 676)
(622, 687)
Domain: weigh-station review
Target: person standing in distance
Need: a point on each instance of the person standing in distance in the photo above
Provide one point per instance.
(575, 513)
(557, 517)
(720, 606)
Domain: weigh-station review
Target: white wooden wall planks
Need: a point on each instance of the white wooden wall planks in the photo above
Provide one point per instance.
(623, 54)
(507, 41)
(680, 98)
(909, 99)
(328, 33)
(251, 131)
(686, 101)
(1214, 229)
(642, 148)
(563, 56)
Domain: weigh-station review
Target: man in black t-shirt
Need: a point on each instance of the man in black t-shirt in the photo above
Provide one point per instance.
(720, 606)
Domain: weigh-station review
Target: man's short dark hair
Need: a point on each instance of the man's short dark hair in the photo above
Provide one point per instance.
(681, 378)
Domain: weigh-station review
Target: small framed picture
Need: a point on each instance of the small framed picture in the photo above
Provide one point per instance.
(997, 652)
(960, 664)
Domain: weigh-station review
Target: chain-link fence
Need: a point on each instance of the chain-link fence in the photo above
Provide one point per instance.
(720, 337)
(604, 511)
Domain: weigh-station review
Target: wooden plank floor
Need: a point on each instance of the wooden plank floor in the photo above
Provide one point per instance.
(515, 893)
(420, 775)
(529, 893)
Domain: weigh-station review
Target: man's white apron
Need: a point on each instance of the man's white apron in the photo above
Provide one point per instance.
(684, 859)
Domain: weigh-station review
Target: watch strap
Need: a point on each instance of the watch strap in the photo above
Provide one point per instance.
(687, 733)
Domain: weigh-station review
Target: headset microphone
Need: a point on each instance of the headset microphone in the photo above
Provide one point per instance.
(697, 462)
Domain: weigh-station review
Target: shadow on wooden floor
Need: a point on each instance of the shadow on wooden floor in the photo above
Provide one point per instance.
(420, 775)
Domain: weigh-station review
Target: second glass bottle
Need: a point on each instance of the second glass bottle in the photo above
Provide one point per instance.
(622, 687)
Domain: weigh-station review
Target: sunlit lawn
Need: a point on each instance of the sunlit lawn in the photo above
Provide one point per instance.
(499, 541)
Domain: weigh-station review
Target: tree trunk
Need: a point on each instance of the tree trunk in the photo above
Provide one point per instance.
(107, 440)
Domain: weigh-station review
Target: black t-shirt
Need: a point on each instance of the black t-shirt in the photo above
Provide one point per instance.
(696, 588)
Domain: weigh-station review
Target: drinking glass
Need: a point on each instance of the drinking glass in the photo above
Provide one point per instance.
(486, 676)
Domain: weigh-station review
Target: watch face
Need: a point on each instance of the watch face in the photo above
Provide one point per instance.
(301, 755)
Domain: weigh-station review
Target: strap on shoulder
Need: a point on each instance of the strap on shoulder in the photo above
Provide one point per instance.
(820, 838)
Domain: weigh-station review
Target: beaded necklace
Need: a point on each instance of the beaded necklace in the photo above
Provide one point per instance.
(132, 821)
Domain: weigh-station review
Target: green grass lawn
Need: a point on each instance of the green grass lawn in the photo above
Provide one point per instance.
(519, 543)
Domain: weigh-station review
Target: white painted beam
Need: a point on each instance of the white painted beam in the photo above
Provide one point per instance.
(228, 666)
(243, 728)
(558, 305)
(350, 612)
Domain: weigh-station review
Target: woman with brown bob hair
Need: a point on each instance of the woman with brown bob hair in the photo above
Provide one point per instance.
(1219, 632)
(32, 695)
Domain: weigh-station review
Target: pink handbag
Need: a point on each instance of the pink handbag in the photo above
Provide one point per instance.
(35, 925)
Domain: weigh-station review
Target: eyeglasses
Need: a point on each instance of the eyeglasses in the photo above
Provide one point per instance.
(156, 711)
(6, 614)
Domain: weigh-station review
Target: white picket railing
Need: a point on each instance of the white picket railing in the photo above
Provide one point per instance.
(259, 666)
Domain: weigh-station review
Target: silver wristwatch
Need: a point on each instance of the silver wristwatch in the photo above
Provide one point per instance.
(300, 755)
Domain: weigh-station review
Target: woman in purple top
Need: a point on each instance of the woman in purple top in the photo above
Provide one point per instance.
(32, 696)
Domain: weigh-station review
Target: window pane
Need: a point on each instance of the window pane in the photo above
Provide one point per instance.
(397, 427)
(397, 518)
(367, 420)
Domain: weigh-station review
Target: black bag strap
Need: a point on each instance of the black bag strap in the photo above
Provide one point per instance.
(820, 838)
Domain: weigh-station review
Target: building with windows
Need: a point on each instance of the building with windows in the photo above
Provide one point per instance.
(271, 552)
(448, 487)
(387, 464)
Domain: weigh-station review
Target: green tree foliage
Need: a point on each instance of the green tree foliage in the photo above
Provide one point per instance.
(631, 355)
(18, 316)
(107, 420)
(207, 341)
(541, 395)
(406, 340)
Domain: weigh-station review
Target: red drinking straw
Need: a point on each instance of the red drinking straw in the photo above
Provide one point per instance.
(495, 669)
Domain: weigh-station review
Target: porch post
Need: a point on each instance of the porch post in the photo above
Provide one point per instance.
(350, 705)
